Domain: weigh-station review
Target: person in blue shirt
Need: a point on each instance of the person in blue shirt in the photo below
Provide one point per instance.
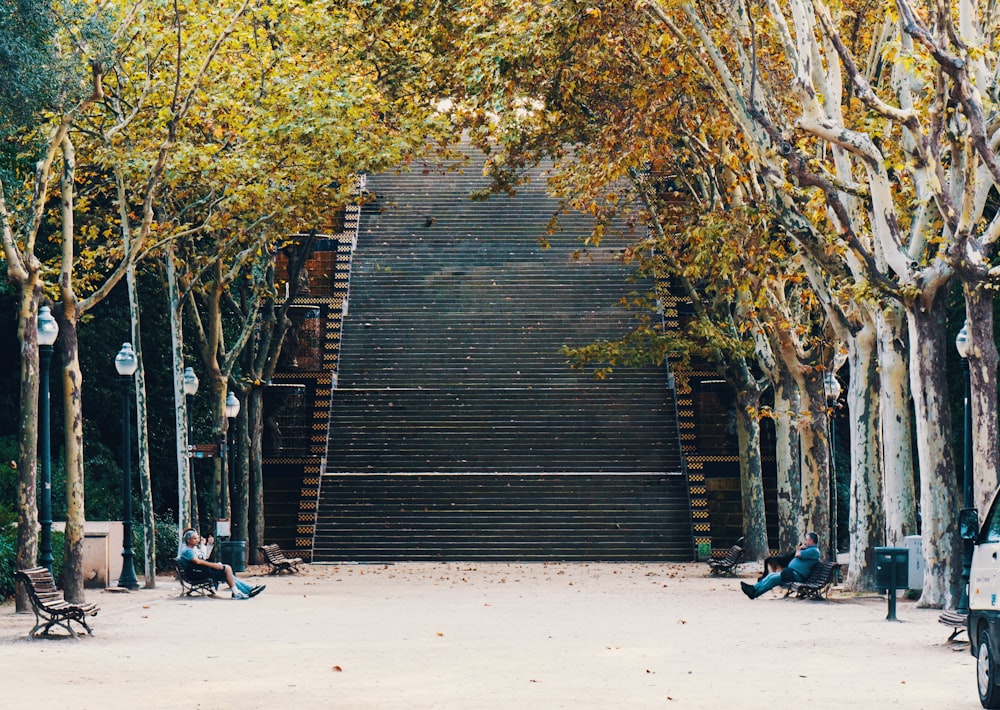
(798, 569)
(193, 556)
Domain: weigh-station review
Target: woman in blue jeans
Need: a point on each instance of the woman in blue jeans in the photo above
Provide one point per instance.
(797, 570)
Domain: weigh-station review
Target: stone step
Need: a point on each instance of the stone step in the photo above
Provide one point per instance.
(503, 517)
(457, 430)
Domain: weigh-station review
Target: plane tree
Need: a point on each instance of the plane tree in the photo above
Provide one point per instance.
(308, 99)
(633, 133)
(885, 141)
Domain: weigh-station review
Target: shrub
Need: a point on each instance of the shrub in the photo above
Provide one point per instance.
(8, 480)
(8, 558)
(166, 544)
(8, 555)
(166, 551)
(103, 484)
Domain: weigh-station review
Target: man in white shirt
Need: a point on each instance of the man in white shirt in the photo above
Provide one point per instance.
(193, 559)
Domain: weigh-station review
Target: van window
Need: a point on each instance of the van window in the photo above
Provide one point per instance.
(991, 531)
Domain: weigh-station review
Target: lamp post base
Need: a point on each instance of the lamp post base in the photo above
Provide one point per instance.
(127, 579)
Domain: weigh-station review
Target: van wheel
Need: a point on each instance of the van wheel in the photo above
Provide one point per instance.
(987, 672)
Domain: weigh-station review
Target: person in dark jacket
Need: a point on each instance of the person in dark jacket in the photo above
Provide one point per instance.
(798, 568)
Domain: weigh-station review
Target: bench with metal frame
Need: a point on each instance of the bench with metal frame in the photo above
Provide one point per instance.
(192, 584)
(726, 565)
(278, 561)
(50, 608)
(956, 620)
(818, 584)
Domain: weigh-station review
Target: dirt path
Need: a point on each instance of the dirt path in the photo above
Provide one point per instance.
(476, 636)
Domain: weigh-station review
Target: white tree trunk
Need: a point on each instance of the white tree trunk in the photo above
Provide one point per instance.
(866, 518)
(184, 518)
(142, 431)
(897, 427)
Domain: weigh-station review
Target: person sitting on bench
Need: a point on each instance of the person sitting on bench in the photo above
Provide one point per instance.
(205, 547)
(797, 570)
(192, 556)
(775, 563)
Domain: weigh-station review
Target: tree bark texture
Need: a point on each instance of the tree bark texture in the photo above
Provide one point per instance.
(814, 435)
(751, 478)
(142, 437)
(185, 519)
(896, 419)
(72, 377)
(866, 518)
(27, 458)
(939, 497)
(788, 456)
(255, 424)
(983, 374)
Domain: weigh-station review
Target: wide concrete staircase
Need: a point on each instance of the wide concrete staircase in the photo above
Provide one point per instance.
(457, 431)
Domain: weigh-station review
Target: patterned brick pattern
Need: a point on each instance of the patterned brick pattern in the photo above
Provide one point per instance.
(294, 471)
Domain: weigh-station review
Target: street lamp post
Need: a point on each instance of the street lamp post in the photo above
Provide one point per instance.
(832, 386)
(190, 387)
(126, 364)
(48, 331)
(231, 409)
(962, 342)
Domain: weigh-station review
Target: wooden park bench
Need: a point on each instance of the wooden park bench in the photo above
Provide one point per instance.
(817, 585)
(277, 560)
(957, 621)
(726, 565)
(50, 608)
(193, 584)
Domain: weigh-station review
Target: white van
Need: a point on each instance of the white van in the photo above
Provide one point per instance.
(984, 599)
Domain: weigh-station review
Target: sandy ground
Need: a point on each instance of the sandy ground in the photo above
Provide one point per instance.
(476, 636)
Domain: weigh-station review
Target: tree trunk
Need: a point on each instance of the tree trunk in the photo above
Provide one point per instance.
(938, 483)
(185, 519)
(27, 457)
(72, 577)
(895, 415)
(983, 374)
(788, 456)
(866, 523)
(814, 435)
(259, 358)
(142, 435)
(751, 477)
(255, 425)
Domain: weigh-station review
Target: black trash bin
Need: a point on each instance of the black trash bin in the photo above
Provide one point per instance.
(234, 554)
(891, 573)
(890, 560)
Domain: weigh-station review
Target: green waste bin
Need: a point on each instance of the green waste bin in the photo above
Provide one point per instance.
(234, 554)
